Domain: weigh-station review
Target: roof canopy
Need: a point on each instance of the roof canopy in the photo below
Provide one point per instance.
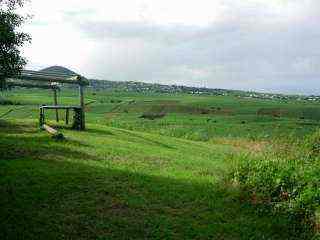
(51, 78)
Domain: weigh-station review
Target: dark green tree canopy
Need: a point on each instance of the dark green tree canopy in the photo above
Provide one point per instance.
(11, 40)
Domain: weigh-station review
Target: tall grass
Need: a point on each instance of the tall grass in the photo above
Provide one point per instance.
(285, 180)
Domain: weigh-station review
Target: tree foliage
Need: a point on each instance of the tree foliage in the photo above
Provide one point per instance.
(11, 39)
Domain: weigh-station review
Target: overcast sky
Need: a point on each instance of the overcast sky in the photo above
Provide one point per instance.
(265, 45)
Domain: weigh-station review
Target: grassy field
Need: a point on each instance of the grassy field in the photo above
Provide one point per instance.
(128, 177)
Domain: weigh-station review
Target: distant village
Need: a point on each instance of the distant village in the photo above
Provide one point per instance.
(270, 96)
(131, 86)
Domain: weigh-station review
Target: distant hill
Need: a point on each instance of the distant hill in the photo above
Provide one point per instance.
(58, 70)
(142, 87)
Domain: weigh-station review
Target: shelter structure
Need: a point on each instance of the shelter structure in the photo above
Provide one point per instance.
(52, 80)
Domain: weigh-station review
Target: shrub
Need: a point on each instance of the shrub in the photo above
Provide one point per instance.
(312, 145)
(286, 181)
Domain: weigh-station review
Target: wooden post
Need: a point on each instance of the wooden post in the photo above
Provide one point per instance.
(67, 116)
(81, 95)
(55, 98)
(41, 117)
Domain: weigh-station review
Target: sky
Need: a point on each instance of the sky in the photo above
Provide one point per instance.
(260, 45)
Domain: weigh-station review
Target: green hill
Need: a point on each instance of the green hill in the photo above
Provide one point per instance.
(147, 88)
(59, 70)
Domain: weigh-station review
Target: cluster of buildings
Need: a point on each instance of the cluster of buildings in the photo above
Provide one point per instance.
(282, 97)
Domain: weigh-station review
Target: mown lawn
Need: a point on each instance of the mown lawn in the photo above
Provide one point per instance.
(109, 183)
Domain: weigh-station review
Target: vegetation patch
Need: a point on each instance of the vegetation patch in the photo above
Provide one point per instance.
(252, 146)
(188, 175)
(112, 183)
(277, 112)
(153, 116)
(5, 101)
(311, 113)
(285, 181)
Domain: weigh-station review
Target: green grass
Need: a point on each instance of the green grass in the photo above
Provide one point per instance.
(132, 178)
(111, 183)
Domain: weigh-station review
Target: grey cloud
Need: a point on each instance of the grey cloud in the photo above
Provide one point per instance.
(253, 53)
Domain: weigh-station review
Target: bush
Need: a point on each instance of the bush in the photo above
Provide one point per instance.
(285, 182)
(312, 145)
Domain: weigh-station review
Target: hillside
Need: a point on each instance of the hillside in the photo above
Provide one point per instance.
(142, 87)
(132, 177)
(132, 86)
(109, 183)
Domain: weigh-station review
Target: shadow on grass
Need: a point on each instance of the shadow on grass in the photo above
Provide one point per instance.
(146, 139)
(65, 199)
(47, 200)
(25, 141)
(87, 130)
(9, 127)
(99, 131)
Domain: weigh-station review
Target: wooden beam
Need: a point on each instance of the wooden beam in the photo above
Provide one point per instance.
(55, 134)
(29, 85)
(59, 107)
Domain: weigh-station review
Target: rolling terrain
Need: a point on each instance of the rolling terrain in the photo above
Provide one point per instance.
(149, 166)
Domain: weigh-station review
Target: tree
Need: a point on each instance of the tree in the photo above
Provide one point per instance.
(11, 40)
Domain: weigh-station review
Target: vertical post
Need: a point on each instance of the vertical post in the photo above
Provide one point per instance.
(41, 117)
(67, 116)
(82, 121)
(55, 98)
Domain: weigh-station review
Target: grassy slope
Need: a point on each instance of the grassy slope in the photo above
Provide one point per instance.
(141, 182)
(111, 183)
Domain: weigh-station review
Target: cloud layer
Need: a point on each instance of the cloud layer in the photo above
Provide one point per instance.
(253, 45)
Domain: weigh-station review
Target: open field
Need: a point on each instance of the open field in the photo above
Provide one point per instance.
(130, 177)
(205, 117)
